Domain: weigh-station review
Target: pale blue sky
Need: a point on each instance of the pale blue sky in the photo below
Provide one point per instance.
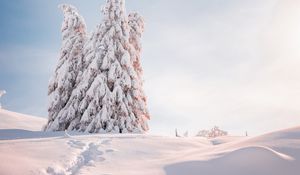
(230, 63)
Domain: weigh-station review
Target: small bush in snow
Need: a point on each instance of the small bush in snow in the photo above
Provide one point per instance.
(203, 133)
(213, 133)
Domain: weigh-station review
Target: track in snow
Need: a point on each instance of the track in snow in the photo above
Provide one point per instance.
(88, 155)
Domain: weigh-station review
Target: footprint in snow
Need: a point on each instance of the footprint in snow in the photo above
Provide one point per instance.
(89, 155)
(76, 144)
(106, 142)
(92, 153)
(110, 150)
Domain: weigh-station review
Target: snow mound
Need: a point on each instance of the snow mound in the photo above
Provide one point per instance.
(254, 160)
(226, 139)
(13, 120)
(291, 133)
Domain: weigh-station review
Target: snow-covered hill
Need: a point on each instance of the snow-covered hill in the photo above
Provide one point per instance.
(276, 153)
(13, 120)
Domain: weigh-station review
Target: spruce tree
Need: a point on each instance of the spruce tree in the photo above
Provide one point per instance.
(139, 103)
(108, 105)
(70, 62)
(107, 95)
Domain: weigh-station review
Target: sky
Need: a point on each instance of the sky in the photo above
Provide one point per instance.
(229, 63)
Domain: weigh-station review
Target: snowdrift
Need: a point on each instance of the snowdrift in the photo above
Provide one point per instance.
(244, 161)
(276, 153)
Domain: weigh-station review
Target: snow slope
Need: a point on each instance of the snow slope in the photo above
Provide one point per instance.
(12, 120)
(276, 153)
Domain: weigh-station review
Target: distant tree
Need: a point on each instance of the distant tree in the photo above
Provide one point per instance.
(176, 133)
(212, 133)
(186, 134)
(2, 92)
(216, 132)
(203, 133)
(64, 79)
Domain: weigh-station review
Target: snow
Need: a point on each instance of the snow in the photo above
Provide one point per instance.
(13, 120)
(2, 92)
(68, 153)
(246, 161)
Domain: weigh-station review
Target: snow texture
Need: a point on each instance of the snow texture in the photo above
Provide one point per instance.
(66, 153)
(106, 94)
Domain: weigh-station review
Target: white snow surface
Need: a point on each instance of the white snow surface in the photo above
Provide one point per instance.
(13, 120)
(25, 152)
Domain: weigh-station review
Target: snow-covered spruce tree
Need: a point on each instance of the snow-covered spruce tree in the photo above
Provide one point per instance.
(70, 63)
(106, 96)
(108, 105)
(70, 116)
(139, 103)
